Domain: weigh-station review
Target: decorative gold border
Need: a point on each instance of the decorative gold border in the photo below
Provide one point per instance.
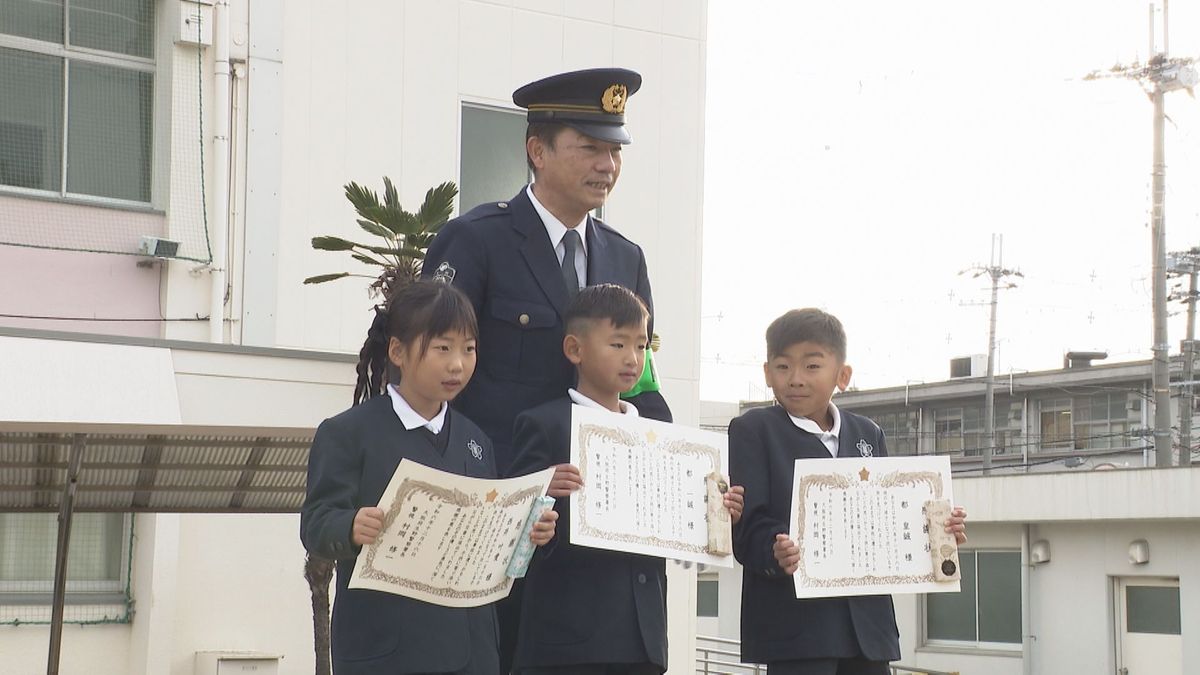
(589, 432)
(841, 481)
(410, 488)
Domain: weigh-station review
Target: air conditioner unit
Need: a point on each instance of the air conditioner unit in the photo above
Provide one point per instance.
(974, 365)
(156, 247)
(236, 663)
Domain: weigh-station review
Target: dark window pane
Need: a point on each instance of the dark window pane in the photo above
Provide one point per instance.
(707, 597)
(30, 120)
(37, 19)
(951, 616)
(122, 26)
(1152, 609)
(109, 133)
(999, 596)
(492, 156)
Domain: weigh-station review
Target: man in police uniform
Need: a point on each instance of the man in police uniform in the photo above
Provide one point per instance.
(522, 261)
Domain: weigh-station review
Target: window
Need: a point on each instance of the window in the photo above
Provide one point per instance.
(987, 613)
(76, 88)
(97, 570)
(1056, 424)
(900, 431)
(1152, 609)
(947, 428)
(492, 158)
(1104, 420)
(707, 595)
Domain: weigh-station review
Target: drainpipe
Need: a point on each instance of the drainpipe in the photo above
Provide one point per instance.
(220, 182)
(1026, 610)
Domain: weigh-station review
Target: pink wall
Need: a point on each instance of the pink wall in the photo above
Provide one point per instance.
(69, 284)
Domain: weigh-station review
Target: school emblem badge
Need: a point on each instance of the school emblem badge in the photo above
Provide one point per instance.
(864, 448)
(444, 273)
(475, 448)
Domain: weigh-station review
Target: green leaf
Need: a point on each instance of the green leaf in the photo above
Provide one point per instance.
(360, 196)
(322, 278)
(368, 260)
(332, 244)
(376, 229)
(438, 205)
(390, 198)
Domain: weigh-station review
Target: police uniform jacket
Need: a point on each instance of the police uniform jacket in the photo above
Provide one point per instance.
(500, 256)
(583, 605)
(352, 460)
(776, 626)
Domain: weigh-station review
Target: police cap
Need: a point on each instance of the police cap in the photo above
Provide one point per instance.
(590, 101)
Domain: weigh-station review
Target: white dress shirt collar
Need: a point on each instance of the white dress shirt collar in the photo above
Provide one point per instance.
(410, 418)
(828, 438)
(627, 408)
(555, 227)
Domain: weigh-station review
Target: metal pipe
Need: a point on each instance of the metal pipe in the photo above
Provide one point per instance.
(221, 122)
(1026, 611)
(65, 512)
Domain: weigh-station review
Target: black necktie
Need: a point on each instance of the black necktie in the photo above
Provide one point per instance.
(570, 277)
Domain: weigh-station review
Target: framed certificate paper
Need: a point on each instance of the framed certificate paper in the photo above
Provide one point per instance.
(861, 526)
(645, 488)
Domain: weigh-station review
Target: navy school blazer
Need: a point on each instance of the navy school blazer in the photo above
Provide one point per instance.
(500, 256)
(583, 605)
(776, 626)
(352, 460)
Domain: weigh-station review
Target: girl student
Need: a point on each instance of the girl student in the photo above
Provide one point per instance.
(427, 331)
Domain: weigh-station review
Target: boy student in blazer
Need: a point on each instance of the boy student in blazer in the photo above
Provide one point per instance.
(427, 331)
(589, 611)
(806, 364)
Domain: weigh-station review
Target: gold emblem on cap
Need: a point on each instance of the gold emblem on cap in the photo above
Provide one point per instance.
(614, 99)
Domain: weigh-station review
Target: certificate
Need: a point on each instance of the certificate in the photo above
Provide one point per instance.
(447, 539)
(644, 485)
(861, 528)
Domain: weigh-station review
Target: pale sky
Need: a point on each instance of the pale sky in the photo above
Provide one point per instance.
(860, 153)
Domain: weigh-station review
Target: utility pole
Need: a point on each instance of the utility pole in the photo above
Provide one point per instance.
(997, 272)
(1159, 76)
(1188, 262)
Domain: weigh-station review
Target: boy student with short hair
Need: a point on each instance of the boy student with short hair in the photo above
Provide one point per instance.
(806, 365)
(589, 611)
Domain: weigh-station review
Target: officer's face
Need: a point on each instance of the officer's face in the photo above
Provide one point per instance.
(576, 175)
(804, 377)
(428, 379)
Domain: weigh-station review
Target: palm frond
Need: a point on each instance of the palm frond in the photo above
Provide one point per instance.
(328, 243)
(322, 278)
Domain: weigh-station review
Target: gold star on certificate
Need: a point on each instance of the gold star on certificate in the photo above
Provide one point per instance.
(491, 496)
(864, 474)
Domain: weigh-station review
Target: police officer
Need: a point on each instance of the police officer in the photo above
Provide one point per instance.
(521, 261)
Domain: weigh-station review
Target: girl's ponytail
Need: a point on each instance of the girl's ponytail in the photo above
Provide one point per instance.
(373, 359)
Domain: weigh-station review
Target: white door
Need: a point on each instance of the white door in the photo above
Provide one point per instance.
(1147, 616)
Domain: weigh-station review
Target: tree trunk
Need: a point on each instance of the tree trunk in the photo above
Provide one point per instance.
(318, 572)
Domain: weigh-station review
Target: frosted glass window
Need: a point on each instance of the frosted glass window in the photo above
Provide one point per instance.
(492, 158)
(36, 19)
